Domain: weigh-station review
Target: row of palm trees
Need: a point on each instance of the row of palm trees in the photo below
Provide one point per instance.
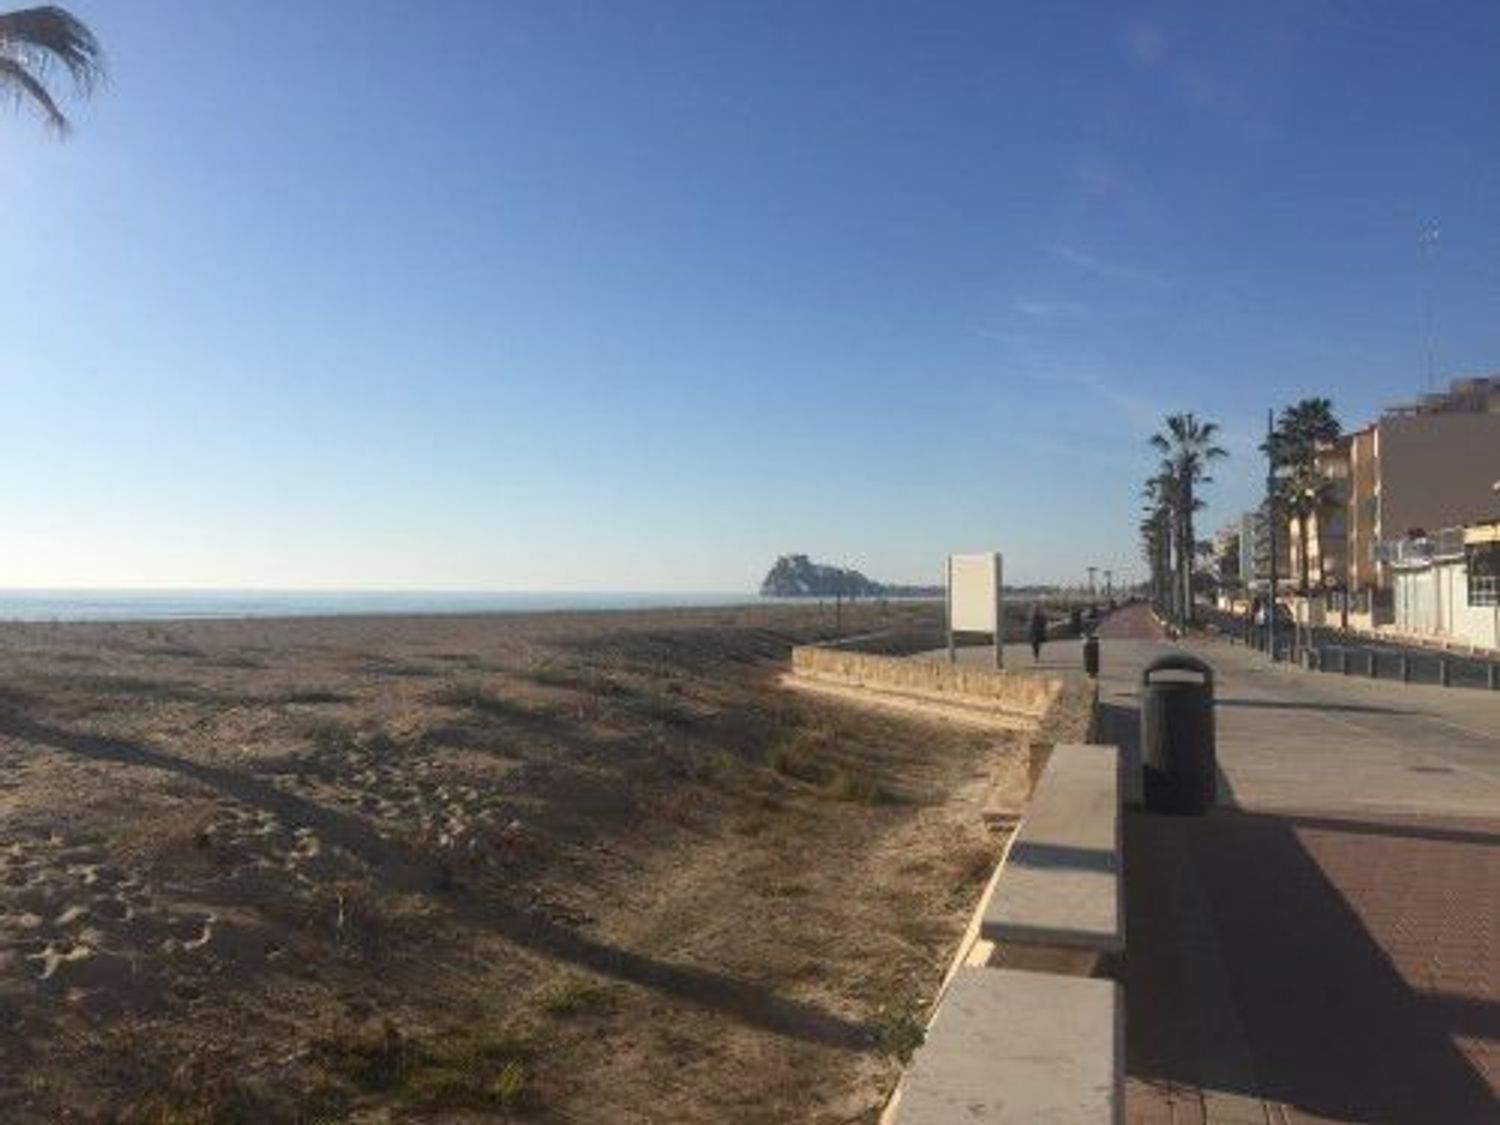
(1188, 447)
(1300, 492)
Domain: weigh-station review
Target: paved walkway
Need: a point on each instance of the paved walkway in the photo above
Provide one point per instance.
(1326, 946)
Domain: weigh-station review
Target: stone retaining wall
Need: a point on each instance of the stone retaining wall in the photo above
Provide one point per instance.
(935, 680)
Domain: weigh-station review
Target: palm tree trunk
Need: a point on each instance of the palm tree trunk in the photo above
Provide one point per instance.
(1179, 567)
(1305, 565)
(1162, 565)
(1187, 551)
(1322, 568)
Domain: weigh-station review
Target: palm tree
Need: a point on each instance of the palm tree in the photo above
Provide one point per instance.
(1303, 431)
(1187, 448)
(36, 41)
(1156, 539)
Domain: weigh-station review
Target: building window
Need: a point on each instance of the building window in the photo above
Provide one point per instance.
(1483, 565)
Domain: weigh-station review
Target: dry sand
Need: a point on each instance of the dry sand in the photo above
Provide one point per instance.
(595, 868)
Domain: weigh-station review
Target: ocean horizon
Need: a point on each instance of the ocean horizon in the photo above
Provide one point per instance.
(64, 605)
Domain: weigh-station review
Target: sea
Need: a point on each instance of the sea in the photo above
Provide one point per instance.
(182, 605)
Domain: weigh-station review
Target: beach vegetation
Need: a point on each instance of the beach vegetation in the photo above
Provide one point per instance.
(331, 736)
(576, 996)
(659, 703)
(472, 1068)
(314, 696)
(475, 697)
(899, 1030)
(391, 666)
(575, 676)
(810, 755)
(140, 687)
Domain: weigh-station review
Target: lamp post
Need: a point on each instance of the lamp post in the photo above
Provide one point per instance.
(1271, 530)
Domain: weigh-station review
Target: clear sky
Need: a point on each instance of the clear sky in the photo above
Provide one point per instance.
(639, 295)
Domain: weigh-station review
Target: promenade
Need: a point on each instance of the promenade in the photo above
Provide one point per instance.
(1324, 947)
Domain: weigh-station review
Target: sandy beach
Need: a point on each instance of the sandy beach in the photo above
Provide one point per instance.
(570, 867)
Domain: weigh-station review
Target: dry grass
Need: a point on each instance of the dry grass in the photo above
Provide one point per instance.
(468, 1068)
(811, 755)
(480, 700)
(577, 996)
(600, 868)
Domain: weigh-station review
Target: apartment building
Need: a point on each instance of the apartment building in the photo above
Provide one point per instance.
(1414, 480)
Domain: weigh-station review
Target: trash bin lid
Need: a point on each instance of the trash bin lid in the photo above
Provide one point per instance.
(1178, 662)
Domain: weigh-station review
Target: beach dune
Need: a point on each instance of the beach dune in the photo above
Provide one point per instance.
(566, 866)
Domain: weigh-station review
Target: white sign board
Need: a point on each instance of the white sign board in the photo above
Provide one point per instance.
(974, 593)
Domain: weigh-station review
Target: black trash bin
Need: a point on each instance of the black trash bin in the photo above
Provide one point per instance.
(1091, 655)
(1178, 751)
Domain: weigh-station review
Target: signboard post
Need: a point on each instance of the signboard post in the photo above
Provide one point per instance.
(974, 600)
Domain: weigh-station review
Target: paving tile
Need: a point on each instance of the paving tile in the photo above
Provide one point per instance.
(1345, 914)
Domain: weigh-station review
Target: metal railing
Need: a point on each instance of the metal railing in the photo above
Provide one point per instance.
(1445, 544)
(1325, 649)
(1408, 665)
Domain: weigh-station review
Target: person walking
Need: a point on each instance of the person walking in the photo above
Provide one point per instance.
(1037, 632)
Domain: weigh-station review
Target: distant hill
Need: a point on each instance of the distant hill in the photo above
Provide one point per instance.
(797, 576)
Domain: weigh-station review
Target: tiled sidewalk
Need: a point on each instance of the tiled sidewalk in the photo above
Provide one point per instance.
(1328, 948)
(1299, 969)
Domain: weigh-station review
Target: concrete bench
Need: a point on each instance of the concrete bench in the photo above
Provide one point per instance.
(1057, 903)
(1011, 1046)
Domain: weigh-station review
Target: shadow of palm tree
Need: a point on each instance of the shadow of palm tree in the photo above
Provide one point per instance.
(402, 869)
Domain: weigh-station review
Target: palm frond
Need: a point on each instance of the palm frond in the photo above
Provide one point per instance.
(34, 41)
(16, 76)
(54, 35)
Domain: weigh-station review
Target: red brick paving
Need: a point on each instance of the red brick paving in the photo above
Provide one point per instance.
(1360, 961)
(1133, 622)
(1286, 968)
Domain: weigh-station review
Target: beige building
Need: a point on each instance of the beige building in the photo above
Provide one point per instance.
(1361, 517)
(1421, 469)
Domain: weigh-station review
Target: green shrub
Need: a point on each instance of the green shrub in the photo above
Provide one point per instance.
(475, 1068)
(899, 1031)
(576, 996)
(474, 697)
(810, 756)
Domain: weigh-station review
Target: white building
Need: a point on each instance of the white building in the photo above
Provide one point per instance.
(1447, 586)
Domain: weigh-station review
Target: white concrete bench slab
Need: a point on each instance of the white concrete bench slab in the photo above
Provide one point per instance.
(1060, 888)
(1010, 1046)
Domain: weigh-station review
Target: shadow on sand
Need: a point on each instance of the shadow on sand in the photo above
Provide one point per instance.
(403, 870)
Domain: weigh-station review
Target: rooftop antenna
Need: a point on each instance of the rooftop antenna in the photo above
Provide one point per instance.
(1429, 254)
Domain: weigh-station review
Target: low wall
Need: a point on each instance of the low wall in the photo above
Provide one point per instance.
(1072, 717)
(935, 680)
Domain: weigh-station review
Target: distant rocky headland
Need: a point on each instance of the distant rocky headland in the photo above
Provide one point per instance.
(797, 576)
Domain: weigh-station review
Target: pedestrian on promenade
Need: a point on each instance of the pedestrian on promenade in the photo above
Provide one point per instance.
(1037, 631)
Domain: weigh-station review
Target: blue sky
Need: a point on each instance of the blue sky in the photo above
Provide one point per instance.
(638, 296)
